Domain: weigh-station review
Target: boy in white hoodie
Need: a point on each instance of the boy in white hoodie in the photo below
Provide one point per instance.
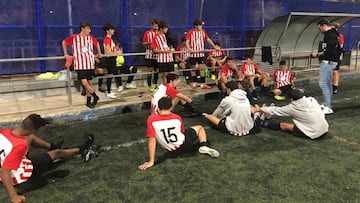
(233, 115)
(307, 116)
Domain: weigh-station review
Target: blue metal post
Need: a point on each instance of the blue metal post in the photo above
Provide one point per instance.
(125, 15)
(191, 14)
(243, 29)
(40, 33)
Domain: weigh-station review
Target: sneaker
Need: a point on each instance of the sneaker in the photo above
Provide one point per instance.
(120, 88)
(101, 89)
(130, 86)
(326, 110)
(152, 88)
(335, 91)
(84, 148)
(213, 77)
(279, 98)
(110, 95)
(90, 105)
(209, 151)
(205, 86)
(204, 114)
(194, 85)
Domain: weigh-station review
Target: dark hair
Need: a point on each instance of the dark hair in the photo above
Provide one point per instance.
(217, 43)
(163, 24)
(228, 59)
(295, 94)
(336, 25)
(84, 24)
(154, 21)
(107, 27)
(183, 39)
(198, 22)
(171, 77)
(165, 103)
(323, 21)
(282, 62)
(248, 56)
(232, 85)
(33, 122)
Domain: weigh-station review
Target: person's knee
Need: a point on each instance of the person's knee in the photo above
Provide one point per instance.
(54, 154)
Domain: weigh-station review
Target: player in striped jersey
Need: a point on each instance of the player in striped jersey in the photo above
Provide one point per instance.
(255, 76)
(168, 130)
(183, 59)
(83, 50)
(284, 81)
(164, 56)
(215, 58)
(195, 42)
(16, 167)
(150, 57)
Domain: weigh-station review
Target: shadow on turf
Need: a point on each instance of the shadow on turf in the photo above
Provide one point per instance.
(41, 181)
(172, 155)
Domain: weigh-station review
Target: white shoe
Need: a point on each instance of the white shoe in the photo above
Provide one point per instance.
(209, 151)
(130, 86)
(120, 88)
(111, 95)
(326, 110)
(322, 106)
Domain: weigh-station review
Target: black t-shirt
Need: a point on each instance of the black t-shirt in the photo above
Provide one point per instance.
(330, 45)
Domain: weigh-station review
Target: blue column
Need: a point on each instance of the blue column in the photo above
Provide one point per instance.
(242, 26)
(40, 33)
(125, 15)
(191, 14)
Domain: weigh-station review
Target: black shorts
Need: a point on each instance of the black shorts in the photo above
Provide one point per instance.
(298, 133)
(285, 89)
(152, 63)
(85, 74)
(166, 67)
(125, 69)
(337, 66)
(194, 61)
(257, 82)
(222, 127)
(190, 142)
(111, 65)
(41, 164)
(102, 63)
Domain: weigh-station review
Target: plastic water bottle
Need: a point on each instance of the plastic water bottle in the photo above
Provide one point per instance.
(88, 117)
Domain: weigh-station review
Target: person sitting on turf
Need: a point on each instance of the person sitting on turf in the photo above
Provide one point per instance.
(168, 130)
(284, 81)
(228, 72)
(16, 167)
(169, 89)
(307, 116)
(234, 113)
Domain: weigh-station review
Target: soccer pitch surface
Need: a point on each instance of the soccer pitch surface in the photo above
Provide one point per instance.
(271, 166)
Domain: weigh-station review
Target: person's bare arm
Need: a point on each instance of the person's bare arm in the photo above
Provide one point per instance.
(7, 182)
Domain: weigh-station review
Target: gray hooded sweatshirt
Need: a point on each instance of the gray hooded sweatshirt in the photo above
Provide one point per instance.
(236, 109)
(306, 115)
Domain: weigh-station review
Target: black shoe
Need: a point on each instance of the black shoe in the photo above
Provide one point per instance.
(57, 144)
(83, 92)
(84, 148)
(90, 105)
(335, 91)
(101, 89)
(96, 99)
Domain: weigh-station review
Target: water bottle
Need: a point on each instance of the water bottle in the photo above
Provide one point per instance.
(88, 117)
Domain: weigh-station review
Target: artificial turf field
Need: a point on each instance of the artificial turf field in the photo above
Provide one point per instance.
(271, 166)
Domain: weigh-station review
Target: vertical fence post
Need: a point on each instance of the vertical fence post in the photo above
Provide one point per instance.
(40, 33)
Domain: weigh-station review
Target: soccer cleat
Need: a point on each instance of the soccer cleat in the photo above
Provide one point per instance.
(205, 86)
(120, 88)
(152, 88)
(335, 91)
(90, 105)
(83, 92)
(213, 77)
(110, 95)
(130, 86)
(84, 148)
(86, 155)
(326, 110)
(209, 151)
(279, 98)
(204, 114)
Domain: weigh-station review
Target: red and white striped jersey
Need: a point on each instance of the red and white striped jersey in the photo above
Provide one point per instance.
(159, 42)
(109, 41)
(167, 129)
(228, 73)
(197, 39)
(12, 156)
(283, 77)
(218, 55)
(249, 68)
(184, 55)
(83, 51)
(148, 36)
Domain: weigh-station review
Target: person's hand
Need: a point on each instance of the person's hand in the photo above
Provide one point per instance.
(314, 55)
(18, 199)
(145, 165)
